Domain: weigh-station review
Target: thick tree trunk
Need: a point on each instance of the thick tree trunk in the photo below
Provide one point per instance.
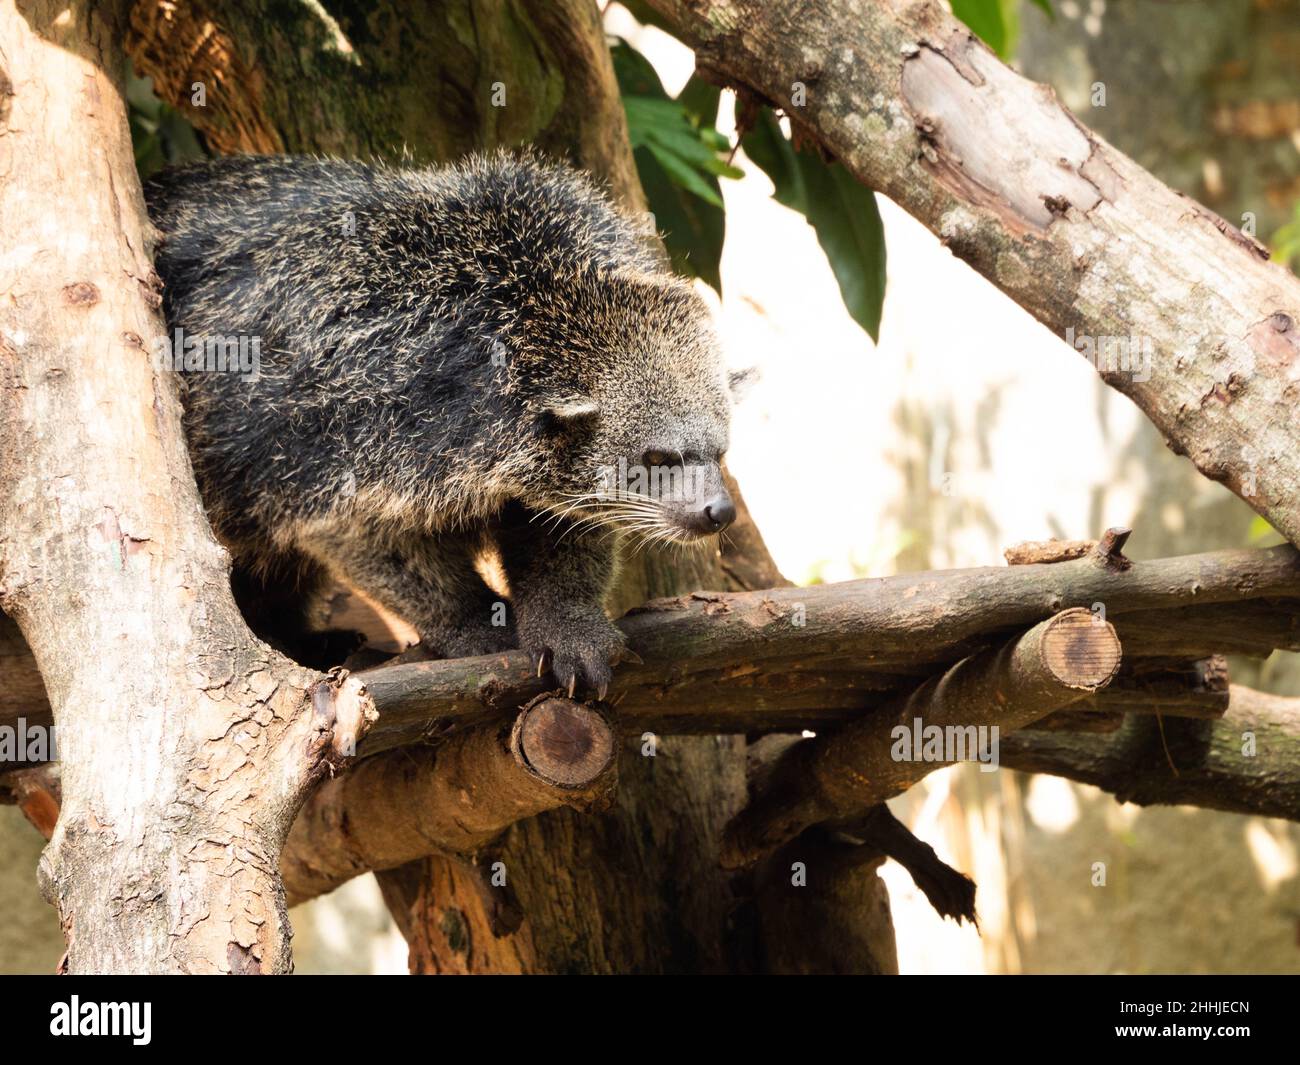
(1178, 309)
(186, 745)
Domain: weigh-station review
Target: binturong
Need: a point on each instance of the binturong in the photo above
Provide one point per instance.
(451, 363)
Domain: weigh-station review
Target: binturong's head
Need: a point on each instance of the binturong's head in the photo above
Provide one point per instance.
(636, 414)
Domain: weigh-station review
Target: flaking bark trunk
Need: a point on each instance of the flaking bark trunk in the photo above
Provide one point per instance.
(186, 745)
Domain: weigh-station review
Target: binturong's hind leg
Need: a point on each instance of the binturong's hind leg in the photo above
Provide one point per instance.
(431, 583)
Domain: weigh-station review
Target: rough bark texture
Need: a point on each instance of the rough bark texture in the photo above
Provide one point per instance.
(789, 658)
(414, 80)
(1072, 230)
(1243, 763)
(801, 657)
(453, 798)
(842, 775)
(186, 745)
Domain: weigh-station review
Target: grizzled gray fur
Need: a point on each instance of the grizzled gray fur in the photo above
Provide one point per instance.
(452, 361)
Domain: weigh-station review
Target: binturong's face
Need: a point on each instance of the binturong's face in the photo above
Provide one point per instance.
(646, 438)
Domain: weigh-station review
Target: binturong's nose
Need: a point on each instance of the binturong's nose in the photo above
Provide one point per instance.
(719, 512)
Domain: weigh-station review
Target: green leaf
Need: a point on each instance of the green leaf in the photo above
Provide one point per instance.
(676, 149)
(700, 99)
(841, 210)
(635, 74)
(984, 17)
(766, 145)
(844, 213)
(1046, 6)
(693, 229)
(1260, 530)
(645, 113)
(689, 179)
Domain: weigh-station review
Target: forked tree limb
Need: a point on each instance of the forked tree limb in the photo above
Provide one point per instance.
(453, 798)
(1075, 232)
(839, 777)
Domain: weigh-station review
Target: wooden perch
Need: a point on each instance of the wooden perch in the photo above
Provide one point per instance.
(791, 658)
(453, 798)
(788, 658)
(840, 776)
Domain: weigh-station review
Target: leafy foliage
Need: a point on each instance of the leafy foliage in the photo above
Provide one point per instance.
(841, 210)
(676, 147)
(678, 155)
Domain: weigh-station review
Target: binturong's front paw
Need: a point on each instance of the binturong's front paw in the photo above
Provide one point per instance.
(580, 648)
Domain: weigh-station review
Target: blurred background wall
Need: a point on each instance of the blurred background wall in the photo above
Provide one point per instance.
(969, 428)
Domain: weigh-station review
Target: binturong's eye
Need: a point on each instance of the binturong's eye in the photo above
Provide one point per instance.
(655, 457)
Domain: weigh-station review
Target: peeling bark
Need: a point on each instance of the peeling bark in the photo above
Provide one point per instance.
(187, 746)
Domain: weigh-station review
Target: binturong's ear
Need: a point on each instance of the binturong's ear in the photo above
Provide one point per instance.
(569, 411)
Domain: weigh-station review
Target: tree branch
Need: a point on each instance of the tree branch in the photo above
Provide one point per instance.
(840, 776)
(453, 798)
(1180, 311)
(1248, 762)
(792, 658)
